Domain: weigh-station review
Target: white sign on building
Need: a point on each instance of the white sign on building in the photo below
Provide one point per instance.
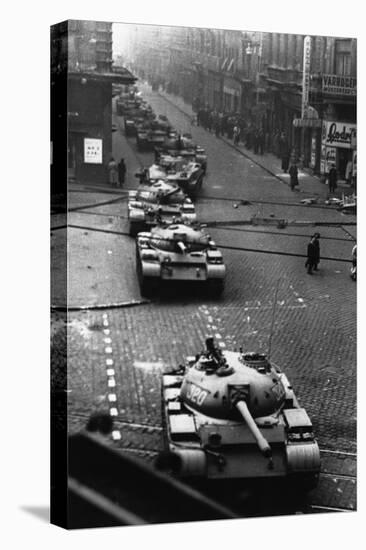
(306, 77)
(339, 134)
(93, 151)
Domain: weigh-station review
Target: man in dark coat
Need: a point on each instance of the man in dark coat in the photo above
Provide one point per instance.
(332, 177)
(121, 171)
(316, 238)
(312, 255)
(293, 176)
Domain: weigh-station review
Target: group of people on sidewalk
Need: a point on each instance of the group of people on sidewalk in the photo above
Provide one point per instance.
(116, 172)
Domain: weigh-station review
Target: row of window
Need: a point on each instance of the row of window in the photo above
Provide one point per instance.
(282, 50)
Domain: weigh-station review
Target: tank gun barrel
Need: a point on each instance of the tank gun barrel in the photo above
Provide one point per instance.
(261, 441)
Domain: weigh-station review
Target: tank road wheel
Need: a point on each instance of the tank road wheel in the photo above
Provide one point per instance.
(216, 287)
(148, 285)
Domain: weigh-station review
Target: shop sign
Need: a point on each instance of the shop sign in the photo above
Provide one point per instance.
(339, 85)
(93, 153)
(307, 123)
(306, 76)
(231, 91)
(338, 134)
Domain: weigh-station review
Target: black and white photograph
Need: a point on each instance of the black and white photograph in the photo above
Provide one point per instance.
(209, 310)
(203, 289)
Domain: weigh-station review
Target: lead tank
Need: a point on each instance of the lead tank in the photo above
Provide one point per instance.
(233, 415)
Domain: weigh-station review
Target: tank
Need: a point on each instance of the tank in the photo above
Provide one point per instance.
(178, 253)
(183, 146)
(176, 170)
(160, 203)
(233, 415)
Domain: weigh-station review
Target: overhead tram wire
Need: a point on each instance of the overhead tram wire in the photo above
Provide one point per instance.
(221, 246)
(228, 223)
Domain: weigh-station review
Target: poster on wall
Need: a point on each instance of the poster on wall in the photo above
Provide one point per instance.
(93, 151)
(327, 158)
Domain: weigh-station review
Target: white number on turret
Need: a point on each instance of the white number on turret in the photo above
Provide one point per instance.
(196, 394)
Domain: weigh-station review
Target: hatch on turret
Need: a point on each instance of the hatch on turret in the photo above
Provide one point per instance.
(257, 361)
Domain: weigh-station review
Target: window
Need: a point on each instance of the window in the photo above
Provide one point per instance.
(343, 57)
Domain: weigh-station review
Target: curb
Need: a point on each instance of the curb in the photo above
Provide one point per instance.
(115, 305)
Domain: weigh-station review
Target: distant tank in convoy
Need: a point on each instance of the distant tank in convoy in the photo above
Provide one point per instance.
(182, 145)
(233, 415)
(187, 175)
(178, 253)
(161, 203)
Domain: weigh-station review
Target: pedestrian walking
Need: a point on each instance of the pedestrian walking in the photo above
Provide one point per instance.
(294, 181)
(256, 141)
(310, 263)
(261, 140)
(112, 172)
(316, 237)
(236, 134)
(332, 178)
(285, 161)
(121, 172)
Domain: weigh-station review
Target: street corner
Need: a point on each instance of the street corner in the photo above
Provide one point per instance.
(101, 269)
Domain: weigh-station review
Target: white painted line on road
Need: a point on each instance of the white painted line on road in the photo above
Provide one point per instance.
(113, 411)
(109, 362)
(111, 383)
(110, 372)
(222, 344)
(112, 397)
(108, 349)
(107, 340)
(105, 322)
(218, 336)
(105, 315)
(106, 331)
(148, 364)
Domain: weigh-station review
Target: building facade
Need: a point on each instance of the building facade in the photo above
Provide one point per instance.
(81, 55)
(303, 86)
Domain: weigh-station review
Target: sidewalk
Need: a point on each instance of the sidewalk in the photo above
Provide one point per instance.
(309, 185)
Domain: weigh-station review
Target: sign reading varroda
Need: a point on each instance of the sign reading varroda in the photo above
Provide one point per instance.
(93, 151)
(338, 134)
(339, 85)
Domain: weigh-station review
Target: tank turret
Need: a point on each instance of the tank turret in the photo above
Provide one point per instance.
(234, 415)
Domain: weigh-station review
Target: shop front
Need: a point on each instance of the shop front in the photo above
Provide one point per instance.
(231, 95)
(338, 146)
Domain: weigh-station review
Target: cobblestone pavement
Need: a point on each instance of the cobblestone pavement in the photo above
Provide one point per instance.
(116, 354)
